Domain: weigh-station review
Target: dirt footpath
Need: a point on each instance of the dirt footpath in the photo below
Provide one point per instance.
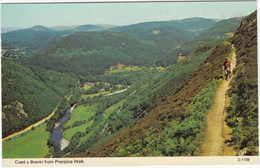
(218, 132)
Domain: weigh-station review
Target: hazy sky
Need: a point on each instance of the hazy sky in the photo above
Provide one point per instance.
(28, 15)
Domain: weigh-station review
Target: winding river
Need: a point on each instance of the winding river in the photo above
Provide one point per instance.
(59, 142)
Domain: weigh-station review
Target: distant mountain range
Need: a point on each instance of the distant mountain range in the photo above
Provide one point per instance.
(165, 34)
(146, 43)
(150, 31)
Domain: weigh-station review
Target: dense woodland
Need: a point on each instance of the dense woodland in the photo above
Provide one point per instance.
(163, 108)
(30, 94)
(168, 35)
(91, 53)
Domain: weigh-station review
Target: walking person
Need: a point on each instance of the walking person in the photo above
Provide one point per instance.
(227, 68)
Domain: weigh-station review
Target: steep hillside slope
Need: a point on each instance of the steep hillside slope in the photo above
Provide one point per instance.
(175, 126)
(243, 111)
(139, 139)
(91, 53)
(217, 133)
(30, 94)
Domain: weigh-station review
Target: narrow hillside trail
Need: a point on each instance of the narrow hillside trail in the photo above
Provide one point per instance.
(218, 133)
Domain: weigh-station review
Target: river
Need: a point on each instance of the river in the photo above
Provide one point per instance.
(59, 142)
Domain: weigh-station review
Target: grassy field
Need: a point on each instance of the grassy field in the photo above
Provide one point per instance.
(3, 52)
(86, 87)
(31, 145)
(67, 134)
(126, 69)
(79, 114)
(84, 113)
(114, 107)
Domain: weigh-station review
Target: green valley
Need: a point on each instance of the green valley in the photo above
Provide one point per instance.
(129, 91)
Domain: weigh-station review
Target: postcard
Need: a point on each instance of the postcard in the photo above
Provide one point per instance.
(129, 83)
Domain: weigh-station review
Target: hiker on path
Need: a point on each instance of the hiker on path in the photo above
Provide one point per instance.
(227, 68)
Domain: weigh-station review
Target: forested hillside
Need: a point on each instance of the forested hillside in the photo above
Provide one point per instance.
(169, 34)
(30, 94)
(219, 31)
(223, 28)
(90, 53)
(32, 41)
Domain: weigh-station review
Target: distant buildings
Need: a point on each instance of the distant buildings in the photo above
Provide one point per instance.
(180, 57)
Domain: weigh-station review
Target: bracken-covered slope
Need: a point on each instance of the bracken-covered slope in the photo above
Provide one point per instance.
(243, 111)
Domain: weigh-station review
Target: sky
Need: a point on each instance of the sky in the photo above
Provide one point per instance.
(68, 14)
